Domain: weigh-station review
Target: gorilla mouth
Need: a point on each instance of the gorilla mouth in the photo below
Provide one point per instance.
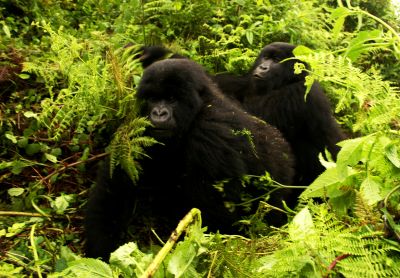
(258, 76)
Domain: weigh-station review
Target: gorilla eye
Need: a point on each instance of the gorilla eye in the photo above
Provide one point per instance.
(170, 98)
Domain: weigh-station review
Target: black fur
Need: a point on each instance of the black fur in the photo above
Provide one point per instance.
(273, 92)
(151, 54)
(203, 143)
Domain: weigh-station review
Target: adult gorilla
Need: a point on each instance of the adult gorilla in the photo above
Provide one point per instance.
(273, 92)
(206, 139)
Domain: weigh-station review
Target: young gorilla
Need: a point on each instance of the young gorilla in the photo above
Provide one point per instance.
(205, 140)
(274, 93)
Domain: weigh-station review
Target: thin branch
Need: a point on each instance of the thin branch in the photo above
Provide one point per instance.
(65, 167)
(20, 213)
(335, 261)
(36, 214)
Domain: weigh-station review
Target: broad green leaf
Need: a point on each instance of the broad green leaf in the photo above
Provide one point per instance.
(357, 45)
(50, 157)
(4, 165)
(10, 271)
(23, 142)
(130, 260)
(6, 30)
(392, 153)
(343, 202)
(61, 203)
(33, 148)
(56, 151)
(15, 229)
(302, 50)
(249, 36)
(370, 190)
(182, 257)
(339, 16)
(302, 226)
(86, 267)
(66, 256)
(18, 165)
(320, 186)
(11, 137)
(350, 154)
(23, 76)
(340, 12)
(14, 192)
(30, 114)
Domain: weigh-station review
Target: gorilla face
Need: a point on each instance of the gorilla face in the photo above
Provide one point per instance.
(171, 96)
(269, 70)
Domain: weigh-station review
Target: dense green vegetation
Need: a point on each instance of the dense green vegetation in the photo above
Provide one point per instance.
(67, 83)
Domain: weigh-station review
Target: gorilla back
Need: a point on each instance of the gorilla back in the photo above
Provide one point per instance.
(205, 139)
(274, 93)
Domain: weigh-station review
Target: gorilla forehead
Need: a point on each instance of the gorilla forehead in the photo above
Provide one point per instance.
(172, 77)
(169, 70)
(282, 48)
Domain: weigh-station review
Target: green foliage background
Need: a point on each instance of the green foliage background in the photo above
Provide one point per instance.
(67, 99)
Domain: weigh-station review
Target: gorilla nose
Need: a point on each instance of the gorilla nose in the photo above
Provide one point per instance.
(159, 114)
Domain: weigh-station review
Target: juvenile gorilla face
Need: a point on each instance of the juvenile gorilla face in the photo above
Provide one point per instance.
(170, 91)
(268, 67)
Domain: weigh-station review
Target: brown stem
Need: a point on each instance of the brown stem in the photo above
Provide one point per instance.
(65, 167)
(335, 261)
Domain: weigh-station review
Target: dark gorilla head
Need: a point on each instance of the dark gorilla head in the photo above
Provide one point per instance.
(171, 91)
(154, 53)
(268, 70)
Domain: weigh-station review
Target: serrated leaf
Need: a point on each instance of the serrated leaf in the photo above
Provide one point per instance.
(14, 192)
(86, 267)
(370, 190)
(130, 260)
(61, 203)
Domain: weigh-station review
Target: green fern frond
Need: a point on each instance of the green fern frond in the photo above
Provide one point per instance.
(376, 101)
(327, 249)
(128, 146)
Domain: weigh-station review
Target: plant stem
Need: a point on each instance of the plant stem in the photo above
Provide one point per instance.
(193, 215)
(34, 250)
